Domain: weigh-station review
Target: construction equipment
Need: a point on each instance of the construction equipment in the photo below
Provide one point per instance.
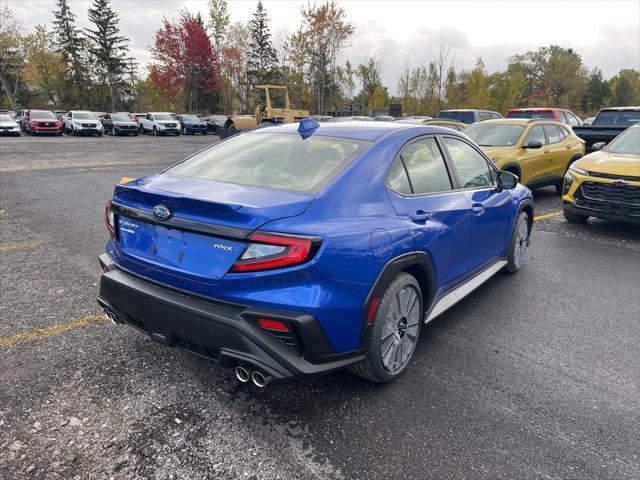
(274, 107)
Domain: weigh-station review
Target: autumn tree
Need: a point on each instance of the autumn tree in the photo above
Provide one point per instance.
(262, 61)
(44, 68)
(373, 94)
(218, 22)
(597, 92)
(625, 88)
(108, 49)
(184, 62)
(327, 31)
(11, 55)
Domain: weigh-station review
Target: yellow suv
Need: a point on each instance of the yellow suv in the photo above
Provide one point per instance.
(538, 152)
(606, 184)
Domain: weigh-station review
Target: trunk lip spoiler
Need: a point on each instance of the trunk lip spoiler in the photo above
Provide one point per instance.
(220, 231)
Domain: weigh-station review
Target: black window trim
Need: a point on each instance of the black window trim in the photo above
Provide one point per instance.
(455, 185)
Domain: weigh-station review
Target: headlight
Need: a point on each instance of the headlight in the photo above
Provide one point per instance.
(579, 170)
(77, 123)
(568, 181)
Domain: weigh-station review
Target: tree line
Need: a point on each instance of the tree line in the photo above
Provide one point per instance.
(211, 64)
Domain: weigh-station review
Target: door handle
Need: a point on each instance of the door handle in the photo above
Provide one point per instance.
(546, 151)
(568, 147)
(477, 208)
(420, 216)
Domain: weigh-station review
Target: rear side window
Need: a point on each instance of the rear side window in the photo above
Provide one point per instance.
(425, 167)
(553, 134)
(483, 116)
(397, 179)
(562, 117)
(273, 160)
(571, 119)
(472, 168)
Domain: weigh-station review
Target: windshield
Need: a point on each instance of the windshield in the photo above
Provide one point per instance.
(6, 118)
(466, 117)
(42, 115)
(621, 118)
(273, 160)
(217, 118)
(163, 116)
(120, 118)
(530, 114)
(492, 135)
(190, 118)
(627, 142)
(84, 116)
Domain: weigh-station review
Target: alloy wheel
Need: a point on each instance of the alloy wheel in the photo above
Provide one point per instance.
(400, 331)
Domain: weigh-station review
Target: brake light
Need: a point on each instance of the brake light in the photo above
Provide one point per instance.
(273, 250)
(110, 220)
(276, 325)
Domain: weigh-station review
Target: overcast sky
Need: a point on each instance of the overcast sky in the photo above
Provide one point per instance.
(407, 33)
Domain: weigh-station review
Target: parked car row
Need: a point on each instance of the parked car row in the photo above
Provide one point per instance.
(84, 122)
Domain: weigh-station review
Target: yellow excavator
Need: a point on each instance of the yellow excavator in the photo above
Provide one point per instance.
(274, 107)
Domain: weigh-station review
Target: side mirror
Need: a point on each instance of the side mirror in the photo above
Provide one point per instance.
(533, 144)
(506, 181)
(598, 146)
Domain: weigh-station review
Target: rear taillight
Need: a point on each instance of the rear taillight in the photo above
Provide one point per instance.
(273, 250)
(276, 325)
(110, 220)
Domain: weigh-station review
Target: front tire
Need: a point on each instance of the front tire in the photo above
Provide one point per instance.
(395, 331)
(518, 244)
(155, 131)
(574, 217)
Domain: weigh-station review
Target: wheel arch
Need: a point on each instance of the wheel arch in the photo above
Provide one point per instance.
(513, 168)
(416, 264)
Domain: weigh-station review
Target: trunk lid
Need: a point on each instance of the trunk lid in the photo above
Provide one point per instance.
(207, 226)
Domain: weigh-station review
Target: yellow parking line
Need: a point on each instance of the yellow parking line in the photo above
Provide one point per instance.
(124, 180)
(10, 247)
(547, 215)
(50, 331)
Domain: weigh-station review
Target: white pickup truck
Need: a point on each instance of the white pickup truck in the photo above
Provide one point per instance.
(160, 123)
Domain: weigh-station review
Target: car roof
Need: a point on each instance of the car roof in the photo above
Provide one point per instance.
(519, 121)
(539, 109)
(367, 131)
(467, 110)
(620, 109)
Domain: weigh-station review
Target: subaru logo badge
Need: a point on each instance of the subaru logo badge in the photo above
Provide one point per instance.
(161, 213)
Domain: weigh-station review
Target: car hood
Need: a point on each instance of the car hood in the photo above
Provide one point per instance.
(8, 124)
(611, 163)
(131, 123)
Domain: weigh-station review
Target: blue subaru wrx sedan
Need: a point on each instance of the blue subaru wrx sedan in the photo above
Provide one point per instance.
(305, 248)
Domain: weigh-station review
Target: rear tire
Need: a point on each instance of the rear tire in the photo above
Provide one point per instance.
(518, 244)
(394, 333)
(574, 217)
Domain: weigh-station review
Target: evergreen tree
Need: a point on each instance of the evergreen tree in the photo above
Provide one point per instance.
(108, 49)
(70, 46)
(262, 60)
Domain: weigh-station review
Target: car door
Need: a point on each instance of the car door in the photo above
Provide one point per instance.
(491, 210)
(422, 192)
(533, 161)
(559, 151)
(568, 148)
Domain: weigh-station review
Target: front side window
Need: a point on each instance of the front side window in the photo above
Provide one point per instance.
(425, 167)
(553, 134)
(536, 134)
(472, 168)
(273, 160)
(483, 116)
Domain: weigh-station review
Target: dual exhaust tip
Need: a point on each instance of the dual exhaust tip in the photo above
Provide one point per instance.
(258, 378)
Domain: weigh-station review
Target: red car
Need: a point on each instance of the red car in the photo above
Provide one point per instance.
(557, 114)
(42, 121)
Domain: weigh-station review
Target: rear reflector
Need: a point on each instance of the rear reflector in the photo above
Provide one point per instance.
(110, 220)
(373, 306)
(272, 325)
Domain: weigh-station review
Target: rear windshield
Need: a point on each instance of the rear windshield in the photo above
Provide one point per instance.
(627, 142)
(190, 118)
(529, 114)
(273, 160)
(466, 117)
(42, 114)
(121, 118)
(617, 118)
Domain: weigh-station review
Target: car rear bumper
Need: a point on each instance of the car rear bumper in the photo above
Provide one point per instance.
(216, 330)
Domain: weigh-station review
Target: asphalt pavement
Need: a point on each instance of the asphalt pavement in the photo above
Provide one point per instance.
(532, 376)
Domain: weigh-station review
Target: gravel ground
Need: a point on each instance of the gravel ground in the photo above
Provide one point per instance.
(532, 376)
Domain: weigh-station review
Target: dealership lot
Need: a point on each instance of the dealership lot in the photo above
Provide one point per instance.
(532, 376)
